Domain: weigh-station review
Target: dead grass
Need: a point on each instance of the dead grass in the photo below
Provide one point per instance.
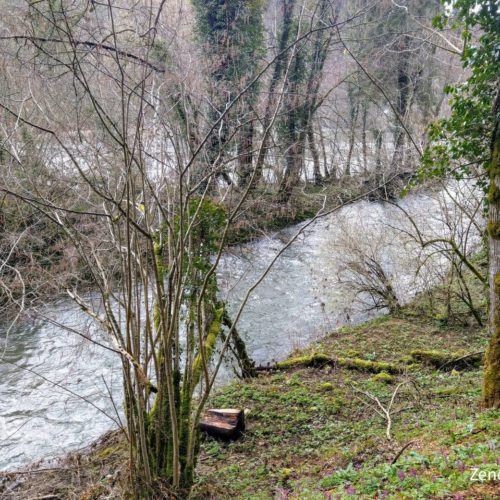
(97, 471)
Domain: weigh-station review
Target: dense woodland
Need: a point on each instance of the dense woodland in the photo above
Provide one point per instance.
(140, 141)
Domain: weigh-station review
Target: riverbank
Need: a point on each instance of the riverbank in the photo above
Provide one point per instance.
(316, 430)
(261, 213)
(49, 264)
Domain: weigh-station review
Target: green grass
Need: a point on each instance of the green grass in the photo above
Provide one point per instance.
(313, 432)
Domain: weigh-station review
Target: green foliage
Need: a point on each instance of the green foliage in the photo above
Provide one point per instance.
(231, 32)
(459, 145)
(339, 477)
(207, 220)
(421, 474)
(306, 429)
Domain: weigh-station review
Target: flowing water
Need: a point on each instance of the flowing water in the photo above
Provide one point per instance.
(45, 371)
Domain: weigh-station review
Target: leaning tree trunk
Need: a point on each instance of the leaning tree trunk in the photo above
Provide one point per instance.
(491, 387)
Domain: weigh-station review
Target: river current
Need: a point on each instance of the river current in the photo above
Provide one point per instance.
(45, 370)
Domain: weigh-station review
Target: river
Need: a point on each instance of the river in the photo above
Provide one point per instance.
(310, 290)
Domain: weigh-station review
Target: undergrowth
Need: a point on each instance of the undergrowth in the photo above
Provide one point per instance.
(313, 431)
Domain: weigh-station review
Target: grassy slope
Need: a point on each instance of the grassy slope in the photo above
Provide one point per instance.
(312, 434)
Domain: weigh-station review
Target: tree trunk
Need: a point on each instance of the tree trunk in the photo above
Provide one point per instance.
(347, 171)
(227, 424)
(246, 363)
(301, 104)
(245, 154)
(403, 86)
(378, 149)
(491, 387)
(279, 69)
(363, 139)
(353, 112)
(330, 173)
(318, 178)
(294, 166)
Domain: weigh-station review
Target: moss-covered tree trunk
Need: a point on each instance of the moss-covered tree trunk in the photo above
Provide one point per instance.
(272, 90)
(491, 389)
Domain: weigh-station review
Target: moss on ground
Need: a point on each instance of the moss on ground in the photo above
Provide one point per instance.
(313, 431)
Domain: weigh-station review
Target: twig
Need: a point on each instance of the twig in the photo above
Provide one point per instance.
(382, 411)
(400, 452)
(46, 497)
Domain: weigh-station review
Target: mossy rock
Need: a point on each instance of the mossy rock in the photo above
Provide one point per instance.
(449, 391)
(383, 377)
(448, 361)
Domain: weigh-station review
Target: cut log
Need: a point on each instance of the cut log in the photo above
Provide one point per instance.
(227, 424)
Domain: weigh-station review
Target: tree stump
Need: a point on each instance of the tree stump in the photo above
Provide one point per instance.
(227, 424)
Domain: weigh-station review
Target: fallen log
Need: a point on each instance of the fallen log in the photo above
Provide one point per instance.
(318, 360)
(227, 424)
(446, 361)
